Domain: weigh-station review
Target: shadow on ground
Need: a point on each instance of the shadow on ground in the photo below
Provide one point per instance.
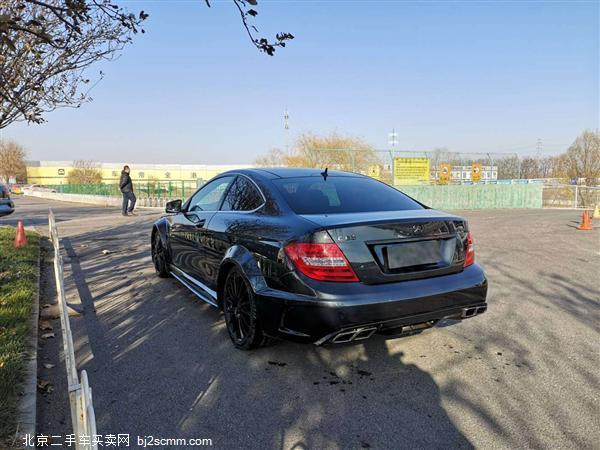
(522, 375)
(161, 364)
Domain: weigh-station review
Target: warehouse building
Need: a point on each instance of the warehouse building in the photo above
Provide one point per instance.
(55, 172)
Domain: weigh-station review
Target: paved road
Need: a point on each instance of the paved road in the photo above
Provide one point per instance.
(525, 374)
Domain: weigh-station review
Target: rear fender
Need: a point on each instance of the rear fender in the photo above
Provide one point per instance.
(244, 260)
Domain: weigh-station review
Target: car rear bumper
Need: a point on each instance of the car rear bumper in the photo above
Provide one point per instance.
(393, 308)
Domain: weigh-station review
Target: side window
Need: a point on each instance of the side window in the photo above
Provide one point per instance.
(209, 196)
(243, 196)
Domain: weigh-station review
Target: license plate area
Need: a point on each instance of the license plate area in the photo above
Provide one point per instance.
(415, 255)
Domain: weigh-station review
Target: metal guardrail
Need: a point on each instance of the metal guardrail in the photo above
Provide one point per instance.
(146, 202)
(80, 392)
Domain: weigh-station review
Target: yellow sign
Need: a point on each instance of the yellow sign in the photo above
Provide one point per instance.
(445, 171)
(475, 172)
(411, 171)
(374, 172)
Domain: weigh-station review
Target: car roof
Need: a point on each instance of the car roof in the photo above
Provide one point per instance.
(296, 172)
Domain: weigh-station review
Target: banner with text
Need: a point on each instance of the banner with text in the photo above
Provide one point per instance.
(411, 171)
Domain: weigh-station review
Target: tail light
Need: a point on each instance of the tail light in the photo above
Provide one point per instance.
(470, 256)
(323, 262)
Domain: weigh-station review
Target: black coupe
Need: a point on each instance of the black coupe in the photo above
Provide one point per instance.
(318, 256)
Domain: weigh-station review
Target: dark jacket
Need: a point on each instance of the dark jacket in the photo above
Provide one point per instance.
(125, 183)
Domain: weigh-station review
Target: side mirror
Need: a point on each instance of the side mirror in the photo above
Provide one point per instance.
(173, 207)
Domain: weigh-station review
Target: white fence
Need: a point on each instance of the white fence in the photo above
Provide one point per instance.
(80, 393)
(570, 196)
(145, 202)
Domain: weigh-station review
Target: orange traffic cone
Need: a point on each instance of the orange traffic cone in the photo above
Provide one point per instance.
(20, 239)
(585, 222)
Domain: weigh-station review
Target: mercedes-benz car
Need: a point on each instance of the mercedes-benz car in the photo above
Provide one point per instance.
(318, 256)
(6, 205)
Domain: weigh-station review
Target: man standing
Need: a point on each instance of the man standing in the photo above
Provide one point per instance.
(126, 187)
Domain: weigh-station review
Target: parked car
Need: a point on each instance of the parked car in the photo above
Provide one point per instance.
(6, 205)
(323, 257)
(16, 189)
(40, 188)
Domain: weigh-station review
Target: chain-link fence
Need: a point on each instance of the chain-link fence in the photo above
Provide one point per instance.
(570, 196)
(380, 163)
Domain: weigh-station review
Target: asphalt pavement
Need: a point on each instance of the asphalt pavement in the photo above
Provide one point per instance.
(524, 374)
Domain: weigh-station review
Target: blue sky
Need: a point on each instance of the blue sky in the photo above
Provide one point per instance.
(471, 76)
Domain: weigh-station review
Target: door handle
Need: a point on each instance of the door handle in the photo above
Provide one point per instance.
(200, 223)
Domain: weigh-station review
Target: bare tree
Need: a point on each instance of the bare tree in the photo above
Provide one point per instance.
(274, 158)
(333, 151)
(546, 167)
(560, 167)
(529, 167)
(508, 167)
(582, 160)
(12, 161)
(246, 10)
(85, 172)
(47, 45)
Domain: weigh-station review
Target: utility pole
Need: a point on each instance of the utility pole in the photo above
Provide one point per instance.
(538, 156)
(393, 138)
(392, 142)
(286, 127)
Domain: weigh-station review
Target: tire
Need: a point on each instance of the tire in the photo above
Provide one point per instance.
(159, 257)
(241, 316)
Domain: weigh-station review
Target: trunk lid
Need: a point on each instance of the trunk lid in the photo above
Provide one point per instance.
(392, 246)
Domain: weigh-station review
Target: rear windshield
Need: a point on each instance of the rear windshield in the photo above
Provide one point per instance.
(312, 195)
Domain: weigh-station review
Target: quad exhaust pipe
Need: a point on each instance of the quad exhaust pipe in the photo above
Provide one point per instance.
(362, 333)
(358, 334)
(472, 311)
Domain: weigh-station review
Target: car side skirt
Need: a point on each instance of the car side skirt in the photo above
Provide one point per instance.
(199, 289)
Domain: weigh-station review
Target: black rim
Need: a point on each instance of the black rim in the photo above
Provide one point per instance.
(158, 254)
(238, 311)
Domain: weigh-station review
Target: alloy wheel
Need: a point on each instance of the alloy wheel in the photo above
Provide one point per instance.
(238, 309)
(159, 257)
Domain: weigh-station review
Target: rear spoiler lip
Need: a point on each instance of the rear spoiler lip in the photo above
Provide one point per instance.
(328, 221)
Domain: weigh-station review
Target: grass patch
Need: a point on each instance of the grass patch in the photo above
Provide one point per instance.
(18, 286)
